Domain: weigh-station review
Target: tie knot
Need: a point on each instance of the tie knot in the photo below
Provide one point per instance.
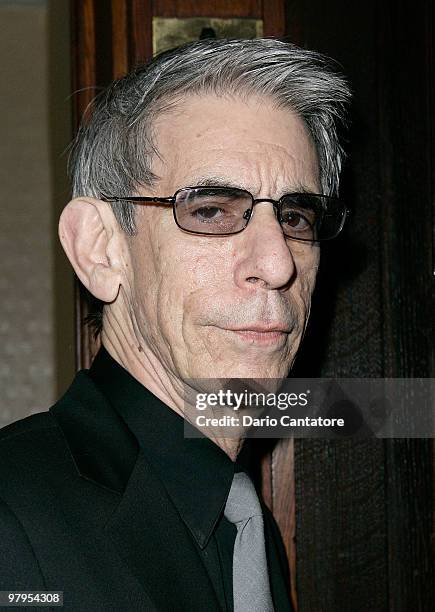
(242, 502)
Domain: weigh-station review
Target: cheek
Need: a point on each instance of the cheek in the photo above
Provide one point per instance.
(307, 265)
(187, 280)
(194, 281)
(308, 278)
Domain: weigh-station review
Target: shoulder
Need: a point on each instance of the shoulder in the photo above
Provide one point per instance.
(34, 462)
(34, 430)
(26, 438)
(29, 426)
(20, 443)
(37, 443)
(16, 546)
(81, 435)
(37, 426)
(30, 432)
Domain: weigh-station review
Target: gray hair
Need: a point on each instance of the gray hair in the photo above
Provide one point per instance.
(114, 148)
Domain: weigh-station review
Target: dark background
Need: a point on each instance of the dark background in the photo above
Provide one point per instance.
(364, 518)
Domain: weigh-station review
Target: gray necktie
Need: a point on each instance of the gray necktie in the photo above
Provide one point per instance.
(251, 590)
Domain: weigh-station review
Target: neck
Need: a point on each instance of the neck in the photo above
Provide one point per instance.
(135, 356)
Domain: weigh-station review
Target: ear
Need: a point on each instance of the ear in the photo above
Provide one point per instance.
(92, 241)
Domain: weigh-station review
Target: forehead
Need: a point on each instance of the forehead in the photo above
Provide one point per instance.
(252, 144)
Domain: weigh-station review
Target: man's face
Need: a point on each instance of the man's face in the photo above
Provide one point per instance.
(224, 306)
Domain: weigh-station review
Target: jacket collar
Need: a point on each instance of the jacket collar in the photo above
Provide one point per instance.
(102, 447)
(196, 473)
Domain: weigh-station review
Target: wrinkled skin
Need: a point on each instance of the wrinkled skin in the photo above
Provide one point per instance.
(181, 296)
(186, 291)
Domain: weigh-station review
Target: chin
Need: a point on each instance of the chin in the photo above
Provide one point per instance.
(248, 371)
(262, 378)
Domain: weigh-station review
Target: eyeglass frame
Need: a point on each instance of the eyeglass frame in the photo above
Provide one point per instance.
(277, 204)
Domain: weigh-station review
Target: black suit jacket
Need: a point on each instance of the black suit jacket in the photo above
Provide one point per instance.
(82, 511)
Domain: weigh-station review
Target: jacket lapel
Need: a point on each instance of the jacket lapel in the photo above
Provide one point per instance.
(142, 527)
(151, 538)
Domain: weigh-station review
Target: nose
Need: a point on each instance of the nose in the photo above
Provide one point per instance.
(264, 257)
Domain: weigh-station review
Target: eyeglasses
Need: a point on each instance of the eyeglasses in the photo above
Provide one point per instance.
(222, 211)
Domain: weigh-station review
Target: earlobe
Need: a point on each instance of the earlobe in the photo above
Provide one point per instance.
(89, 234)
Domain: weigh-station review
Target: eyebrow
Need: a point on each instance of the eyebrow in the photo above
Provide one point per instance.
(220, 181)
(215, 181)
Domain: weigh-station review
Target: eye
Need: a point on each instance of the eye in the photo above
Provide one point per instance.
(208, 213)
(211, 210)
(295, 220)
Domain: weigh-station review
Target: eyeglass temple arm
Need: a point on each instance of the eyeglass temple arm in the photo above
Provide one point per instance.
(169, 200)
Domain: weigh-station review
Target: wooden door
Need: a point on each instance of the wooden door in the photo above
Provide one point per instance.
(355, 516)
(364, 509)
(108, 39)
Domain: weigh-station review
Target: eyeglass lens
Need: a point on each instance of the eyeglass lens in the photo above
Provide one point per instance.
(212, 211)
(208, 210)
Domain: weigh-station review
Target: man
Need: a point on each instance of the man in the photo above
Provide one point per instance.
(196, 222)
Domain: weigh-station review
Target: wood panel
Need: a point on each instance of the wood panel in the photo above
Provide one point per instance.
(83, 82)
(209, 8)
(406, 178)
(284, 503)
(120, 38)
(83, 47)
(273, 18)
(363, 518)
(141, 31)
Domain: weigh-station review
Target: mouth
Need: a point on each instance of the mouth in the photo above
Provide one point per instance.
(263, 335)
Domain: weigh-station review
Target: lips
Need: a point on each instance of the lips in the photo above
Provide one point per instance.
(261, 329)
(261, 335)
